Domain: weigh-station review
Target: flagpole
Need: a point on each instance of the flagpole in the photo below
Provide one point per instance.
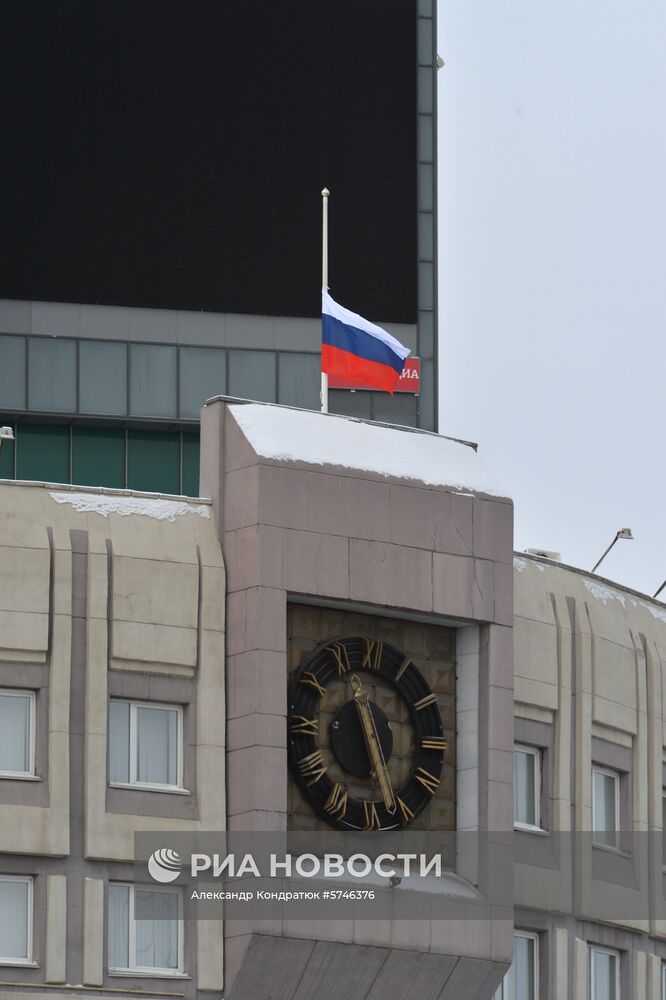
(324, 282)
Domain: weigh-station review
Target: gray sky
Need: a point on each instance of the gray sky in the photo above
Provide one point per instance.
(552, 255)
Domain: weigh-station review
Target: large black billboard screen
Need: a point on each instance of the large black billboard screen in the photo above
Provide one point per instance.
(162, 153)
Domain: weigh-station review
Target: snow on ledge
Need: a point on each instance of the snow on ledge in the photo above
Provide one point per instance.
(155, 507)
(291, 435)
(603, 593)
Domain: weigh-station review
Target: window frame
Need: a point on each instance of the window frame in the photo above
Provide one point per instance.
(532, 936)
(133, 782)
(616, 776)
(27, 880)
(147, 971)
(537, 753)
(613, 953)
(32, 715)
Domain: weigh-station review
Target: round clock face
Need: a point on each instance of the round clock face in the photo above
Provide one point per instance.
(343, 758)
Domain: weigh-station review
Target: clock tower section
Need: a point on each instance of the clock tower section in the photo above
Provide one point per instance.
(369, 674)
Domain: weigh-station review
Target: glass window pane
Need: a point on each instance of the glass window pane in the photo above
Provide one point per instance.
(426, 273)
(300, 380)
(15, 733)
(12, 373)
(190, 485)
(203, 373)
(102, 377)
(397, 409)
(350, 404)
(42, 453)
(426, 321)
(157, 746)
(426, 228)
(523, 965)
(426, 192)
(119, 741)
(424, 42)
(604, 976)
(52, 374)
(604, 791)
(98, 456)
(118, 926)
(524, 805)
(156, 929)
(153, 461)
(424, 90)
(252, 375)
(427, 401)
(152, 380)
(519, 981)
(14, 920)
(425, 138)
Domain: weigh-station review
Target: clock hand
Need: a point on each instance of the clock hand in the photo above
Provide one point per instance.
(373, 745)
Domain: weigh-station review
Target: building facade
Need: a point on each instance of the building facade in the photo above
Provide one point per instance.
(589, 660)
(144, 269)
(150, 647)
(112, 708)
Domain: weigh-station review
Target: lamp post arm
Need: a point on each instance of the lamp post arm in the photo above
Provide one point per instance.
(594, 568)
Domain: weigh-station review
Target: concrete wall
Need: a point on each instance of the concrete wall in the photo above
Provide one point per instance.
(361, 541)
(106, 595)
(589, 660)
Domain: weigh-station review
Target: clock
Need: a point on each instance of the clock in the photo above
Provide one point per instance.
(343, 766)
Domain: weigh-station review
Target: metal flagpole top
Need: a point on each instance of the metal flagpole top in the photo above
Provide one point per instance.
(325, 193)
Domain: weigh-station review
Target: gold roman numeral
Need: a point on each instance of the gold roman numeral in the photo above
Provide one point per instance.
(370, 817)
(310, 679)
(312, 767)
(372, 658)
(340, 657)
(428, 780)
(336, 803)
(434, 743)
(407, 814)
(301, 724)
(401, 669)
(429, 699)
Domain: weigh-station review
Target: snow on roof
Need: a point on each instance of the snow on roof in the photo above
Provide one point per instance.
(290, 435)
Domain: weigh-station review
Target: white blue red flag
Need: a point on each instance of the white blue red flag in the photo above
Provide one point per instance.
(357, 351)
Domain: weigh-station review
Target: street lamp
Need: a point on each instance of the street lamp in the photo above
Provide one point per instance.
(6, 434)
(622, 533)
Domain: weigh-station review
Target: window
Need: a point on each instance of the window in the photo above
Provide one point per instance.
(15, 919)
(605, 807)
(663, 982)
(145, 745)
(522, 979)
(604, 974)
(663, 830)
(526, 788)
(17, 733)
(145, 930)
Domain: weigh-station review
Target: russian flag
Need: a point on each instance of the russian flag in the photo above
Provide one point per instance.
(360, 353)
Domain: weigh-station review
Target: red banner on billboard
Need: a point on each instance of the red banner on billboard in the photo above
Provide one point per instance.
(409, 381)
